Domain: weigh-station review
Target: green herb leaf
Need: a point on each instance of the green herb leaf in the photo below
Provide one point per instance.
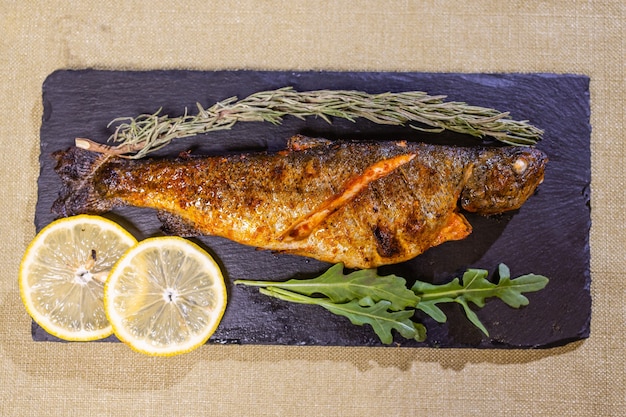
(376, 315)
(475, 288)
(341, 288)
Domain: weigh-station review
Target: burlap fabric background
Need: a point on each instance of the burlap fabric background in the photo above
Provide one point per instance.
(584, 37)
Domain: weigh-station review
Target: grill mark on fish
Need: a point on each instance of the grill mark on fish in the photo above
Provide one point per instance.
(387, 245)
(253, 198)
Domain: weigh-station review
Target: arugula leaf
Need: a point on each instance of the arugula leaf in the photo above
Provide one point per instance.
(341, 288)
(376, 315)
(512, 289)
(475, 288)
(385, 303)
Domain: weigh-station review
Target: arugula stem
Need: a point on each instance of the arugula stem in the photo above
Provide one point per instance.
(437, 295)
(291, 296)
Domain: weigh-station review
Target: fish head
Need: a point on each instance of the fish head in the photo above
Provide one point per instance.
(502, 179)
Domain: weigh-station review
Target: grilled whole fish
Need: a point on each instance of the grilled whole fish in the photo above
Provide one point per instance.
(365, 204)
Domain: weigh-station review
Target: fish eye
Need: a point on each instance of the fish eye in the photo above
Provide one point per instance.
(520, 165)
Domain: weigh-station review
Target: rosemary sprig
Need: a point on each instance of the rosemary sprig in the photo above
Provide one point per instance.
(138, 136)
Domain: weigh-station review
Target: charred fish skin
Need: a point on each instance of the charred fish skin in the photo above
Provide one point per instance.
(365, 204)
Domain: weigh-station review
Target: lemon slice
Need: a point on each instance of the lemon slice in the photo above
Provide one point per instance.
(62, 275)
(165, 296)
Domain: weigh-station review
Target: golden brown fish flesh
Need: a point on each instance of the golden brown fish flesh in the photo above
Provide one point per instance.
(365, 204)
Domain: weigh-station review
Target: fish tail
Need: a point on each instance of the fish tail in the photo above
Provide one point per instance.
(77, 167)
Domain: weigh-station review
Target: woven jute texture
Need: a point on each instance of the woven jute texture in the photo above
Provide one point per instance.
(107, 379)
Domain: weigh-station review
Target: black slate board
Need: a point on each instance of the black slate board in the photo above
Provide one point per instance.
(549, 235)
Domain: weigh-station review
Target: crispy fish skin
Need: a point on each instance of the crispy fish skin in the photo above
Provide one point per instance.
(365, 204)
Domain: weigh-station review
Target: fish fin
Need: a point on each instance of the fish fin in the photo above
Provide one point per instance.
(77, 167)
(176, 225)
(301, 143)
(456, 228)
(302, 228)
